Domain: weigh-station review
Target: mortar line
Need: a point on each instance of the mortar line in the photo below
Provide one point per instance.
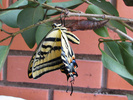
(104, 78)
(4, 72)
(50, 94)
(114, 3)
(76, 89)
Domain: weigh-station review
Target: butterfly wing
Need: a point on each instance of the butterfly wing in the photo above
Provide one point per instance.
(47, 56)
(68, 57)
(71, 37)
(30, 66)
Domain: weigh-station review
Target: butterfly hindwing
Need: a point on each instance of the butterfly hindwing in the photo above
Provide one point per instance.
(68, 58)
(71, 37)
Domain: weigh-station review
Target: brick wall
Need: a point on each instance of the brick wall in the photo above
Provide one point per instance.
(93, 83)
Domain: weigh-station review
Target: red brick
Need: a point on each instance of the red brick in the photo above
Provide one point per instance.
(1, 76)
(88, 43)
(114, 81)
(124, 11)
(59, 95)
(89, 73)
(18, 42)
(14, 1)
(26, 93)
(5, 4)
(89, 40)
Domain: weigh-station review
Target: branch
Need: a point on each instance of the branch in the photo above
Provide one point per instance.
(76, 13)
(100, 16)
(31, 26)
(120, 21)
(119, 32)
(106, 17)
(20, 7)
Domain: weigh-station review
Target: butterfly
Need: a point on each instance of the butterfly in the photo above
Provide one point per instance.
(54, 52)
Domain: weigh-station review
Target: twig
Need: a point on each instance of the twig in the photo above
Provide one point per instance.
(100, 16)
(126, 25)
(6, 32)
(76, 14)
(119, 32)
(101, 40)
(31, 26)
(16, 8)
(11, 41)
(120, 21)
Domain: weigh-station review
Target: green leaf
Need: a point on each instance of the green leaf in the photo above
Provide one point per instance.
(3, 55)
(126, 49)
(130, 81)
(68, 4)
(119, 26)
(42, 31)
(0, 25)
(115, 66)
(32, 4)
(10, 17)
(129, 96)
(48, 0)
(95, 10)
(102, 32)
(108, 8)
(113, 60)
(27, 17)
(112, 49)
(1, 2)
(41, 1)
(92, 9)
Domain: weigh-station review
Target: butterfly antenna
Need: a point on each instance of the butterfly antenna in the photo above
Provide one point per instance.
(67, 87)
(71, 88)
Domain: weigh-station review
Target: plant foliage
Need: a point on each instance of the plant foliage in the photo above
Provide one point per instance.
(117, 56)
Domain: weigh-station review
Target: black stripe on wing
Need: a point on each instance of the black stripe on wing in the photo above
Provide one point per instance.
(49, 63)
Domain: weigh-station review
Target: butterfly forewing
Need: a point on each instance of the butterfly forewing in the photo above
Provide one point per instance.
(48, 55)
(30, 66)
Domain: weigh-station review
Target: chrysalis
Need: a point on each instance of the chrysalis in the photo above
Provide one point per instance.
(85, 25)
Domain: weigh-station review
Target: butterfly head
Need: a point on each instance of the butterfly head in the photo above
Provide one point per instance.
(56, 25)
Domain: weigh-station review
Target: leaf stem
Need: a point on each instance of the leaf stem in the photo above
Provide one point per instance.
(6, 32)
(11, 41)
(109, 40)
